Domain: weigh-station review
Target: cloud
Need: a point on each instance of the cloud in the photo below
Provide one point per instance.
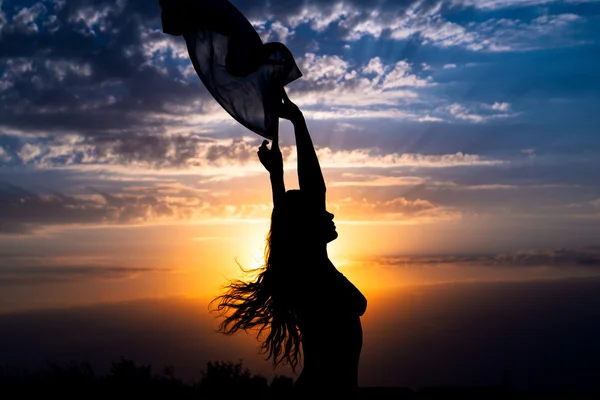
(499, 4)
(429, 118)
(479, 112)
(125, 203)
(397, 210)
(23, 211)
(273, 31)
(319, 18)
(335, 88)
(2, 18)
(128, 84)
(371, 180)
(500, 106)
(125, 197)
(362, 158)
(206, 155)
(25, 20)
(4, 156)
(424, 21)
(568, 258)
(16, 271)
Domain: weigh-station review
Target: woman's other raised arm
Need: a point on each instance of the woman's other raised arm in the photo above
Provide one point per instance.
(272, 160)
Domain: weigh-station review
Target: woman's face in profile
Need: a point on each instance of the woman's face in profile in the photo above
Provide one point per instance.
(330, 234)
(312, 224)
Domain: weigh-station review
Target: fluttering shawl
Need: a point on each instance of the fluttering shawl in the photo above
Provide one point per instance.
(245, 75)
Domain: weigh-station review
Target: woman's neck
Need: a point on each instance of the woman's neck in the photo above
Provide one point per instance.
(315, 253)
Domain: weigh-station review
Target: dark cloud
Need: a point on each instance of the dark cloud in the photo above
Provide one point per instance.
(15, 272)
(152, 151)
(98, 74)
(23, 211)
(556, 258)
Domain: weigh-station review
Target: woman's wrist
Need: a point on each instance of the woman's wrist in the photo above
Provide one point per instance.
(298, 119)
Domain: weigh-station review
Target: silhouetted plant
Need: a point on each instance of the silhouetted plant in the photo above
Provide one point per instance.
(282, 382)
(126, 372)
(230, 375)
(127, 377)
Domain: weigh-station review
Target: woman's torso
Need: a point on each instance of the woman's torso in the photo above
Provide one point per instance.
(329, 310)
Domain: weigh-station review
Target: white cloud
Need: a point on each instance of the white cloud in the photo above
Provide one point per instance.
(498, 4)
(397, 210)
(423, 21)
(277, 32)
(400, 76)
(369, 180)
(320, 18)
(59, 4)
(330, 81)
(25, 19)
(62, 68)
(365, 158)
(2, 18)
(461, 112)
(4, 156)
(281, 32)
(429, 118)
(95, 18)
(325, 67)
(500, 106)
(361, 113)
(369, 27)
(478, 112)
(449, 66)
(375, 66)
(52, 24)
(222, 157)
(5, 84)
(29, 152)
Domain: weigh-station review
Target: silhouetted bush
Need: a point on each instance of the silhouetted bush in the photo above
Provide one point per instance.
(128, 378)
(229, 377)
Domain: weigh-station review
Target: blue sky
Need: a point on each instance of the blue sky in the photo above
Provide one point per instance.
(450, 128)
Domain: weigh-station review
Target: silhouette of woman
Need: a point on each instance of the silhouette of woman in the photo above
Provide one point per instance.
(299, 300)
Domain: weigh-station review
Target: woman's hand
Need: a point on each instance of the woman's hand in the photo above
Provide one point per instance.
(271, 158)
(288, 109)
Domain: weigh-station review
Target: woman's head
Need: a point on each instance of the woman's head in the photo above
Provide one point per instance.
(303, 221)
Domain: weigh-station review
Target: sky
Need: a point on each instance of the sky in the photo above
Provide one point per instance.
(458, 139)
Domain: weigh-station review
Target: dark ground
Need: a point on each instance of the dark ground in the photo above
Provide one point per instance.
(220, 380)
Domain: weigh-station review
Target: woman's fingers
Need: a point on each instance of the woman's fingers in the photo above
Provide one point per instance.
(263, 146)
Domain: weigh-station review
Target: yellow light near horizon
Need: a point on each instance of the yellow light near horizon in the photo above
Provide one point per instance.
(224, 252)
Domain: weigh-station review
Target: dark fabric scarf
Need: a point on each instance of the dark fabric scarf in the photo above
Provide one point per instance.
(244, 75)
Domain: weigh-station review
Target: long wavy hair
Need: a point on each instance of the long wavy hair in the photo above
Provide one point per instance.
(265, 304)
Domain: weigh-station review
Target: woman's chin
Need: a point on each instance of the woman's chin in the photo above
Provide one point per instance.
(332, 236)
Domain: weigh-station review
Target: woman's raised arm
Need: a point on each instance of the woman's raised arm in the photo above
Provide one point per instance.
(272, 160)
(310, 176)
